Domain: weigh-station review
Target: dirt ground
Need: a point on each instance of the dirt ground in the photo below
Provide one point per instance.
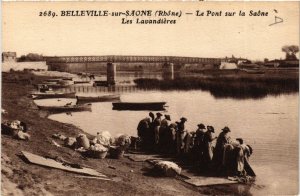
(21, 178)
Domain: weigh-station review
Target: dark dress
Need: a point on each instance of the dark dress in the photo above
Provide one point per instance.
(207, 147)
(163, 135)
(172, 138)
(219, 149)
(143, 127)
(145, 133)
(156, 124)
(199, 145)
(180, 137)
(187, 142)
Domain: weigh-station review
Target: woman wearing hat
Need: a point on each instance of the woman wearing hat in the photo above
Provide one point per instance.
(198, 143)
(172, 133)
(223, 139)
(145, 132)
(165, 121)
(181, 126)
(156, 125)
(199, 134)
(180, 135)
(207, 145)
(152, 116)
(164, 140)
(236, 158)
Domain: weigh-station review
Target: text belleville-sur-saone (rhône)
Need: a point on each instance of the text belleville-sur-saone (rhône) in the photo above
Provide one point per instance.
(150, 13)
(127, 13)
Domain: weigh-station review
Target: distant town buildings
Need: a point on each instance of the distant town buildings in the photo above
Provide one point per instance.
(9, 56)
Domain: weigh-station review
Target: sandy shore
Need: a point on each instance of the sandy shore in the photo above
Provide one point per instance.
(21, 178)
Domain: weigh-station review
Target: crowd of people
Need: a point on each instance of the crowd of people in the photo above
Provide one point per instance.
(230, 157)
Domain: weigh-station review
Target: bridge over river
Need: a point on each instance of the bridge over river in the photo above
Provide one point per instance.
(113, 63)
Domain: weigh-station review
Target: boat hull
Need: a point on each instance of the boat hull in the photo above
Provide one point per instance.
(152, 106)
(61, 109)
(52, 95)
(253, 71)
(81, 82)
(105, 98)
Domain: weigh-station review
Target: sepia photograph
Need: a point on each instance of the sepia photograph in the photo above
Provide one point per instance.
(150, 98)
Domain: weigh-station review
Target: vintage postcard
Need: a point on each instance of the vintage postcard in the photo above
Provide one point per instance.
(150, 98)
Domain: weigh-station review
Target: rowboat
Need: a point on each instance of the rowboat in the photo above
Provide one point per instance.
(81, 82)
(54, 80)
(98, 98)
(48, 95)
(55, 85)
(253, 71)
(68, 79)
(155, 106)
(48, 82)
(66, 108)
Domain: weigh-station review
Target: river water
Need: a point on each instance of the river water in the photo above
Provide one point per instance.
(269, 125)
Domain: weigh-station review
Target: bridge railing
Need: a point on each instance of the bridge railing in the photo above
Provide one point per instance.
(137, 59)
(102, 89)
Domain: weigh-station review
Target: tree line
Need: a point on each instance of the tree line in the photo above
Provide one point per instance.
(31, 57)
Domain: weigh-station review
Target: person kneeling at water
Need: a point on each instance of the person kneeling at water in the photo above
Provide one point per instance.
(236, 157)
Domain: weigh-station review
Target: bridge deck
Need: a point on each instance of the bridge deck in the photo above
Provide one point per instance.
(124, 59)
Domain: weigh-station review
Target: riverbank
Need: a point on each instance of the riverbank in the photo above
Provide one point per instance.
(19, 177)
(238, 84)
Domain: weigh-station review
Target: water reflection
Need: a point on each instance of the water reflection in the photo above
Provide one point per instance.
(219, 83)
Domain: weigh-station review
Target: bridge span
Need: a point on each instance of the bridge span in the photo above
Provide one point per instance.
(130, 59)
(113, 63)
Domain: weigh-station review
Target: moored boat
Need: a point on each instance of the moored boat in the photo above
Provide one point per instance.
(103, 98)
(81, 82)
(55, 85)
(53, 80)
(70, 79)
(48, 95)
(50, 82)
(66, 108)
(155, 106)
(253, 71)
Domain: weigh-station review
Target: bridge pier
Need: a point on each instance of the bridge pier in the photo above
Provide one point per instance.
(111, 72)
(168, 71)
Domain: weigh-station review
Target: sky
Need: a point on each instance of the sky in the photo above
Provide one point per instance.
(24, 31)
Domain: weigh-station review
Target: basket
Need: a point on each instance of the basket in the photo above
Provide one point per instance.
(97, 154)
(116, 152)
